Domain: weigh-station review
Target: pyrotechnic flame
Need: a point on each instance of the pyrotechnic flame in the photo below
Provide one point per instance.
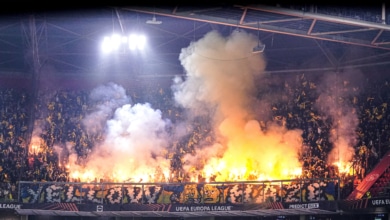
(344, 167)
(35, 146)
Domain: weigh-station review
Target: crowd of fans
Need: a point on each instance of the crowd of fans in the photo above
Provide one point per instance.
(58, 118)
(13, 144)
(304, 110)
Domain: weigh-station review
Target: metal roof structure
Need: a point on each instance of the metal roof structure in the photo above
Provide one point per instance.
(297, 38)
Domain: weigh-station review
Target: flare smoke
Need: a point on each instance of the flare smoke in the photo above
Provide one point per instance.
(134, 136)
(334, 102)
(220, 81)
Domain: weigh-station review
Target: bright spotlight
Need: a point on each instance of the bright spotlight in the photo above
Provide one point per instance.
(136, 42)
(141, 42)
(132, 42)
(116, 41)
(106, 45)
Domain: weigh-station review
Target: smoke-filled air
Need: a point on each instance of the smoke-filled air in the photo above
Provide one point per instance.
(221, 74)
(221, 83)
(133, 135)
(333, 104)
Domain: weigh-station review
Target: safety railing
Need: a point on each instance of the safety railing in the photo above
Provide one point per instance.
(298, 190)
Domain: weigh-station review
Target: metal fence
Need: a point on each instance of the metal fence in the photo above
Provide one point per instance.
(300, 190)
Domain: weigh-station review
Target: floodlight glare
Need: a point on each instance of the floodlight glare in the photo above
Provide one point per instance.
(132, 42)
(141, 41)
(136, 42)
(106, 45)
(116, 41)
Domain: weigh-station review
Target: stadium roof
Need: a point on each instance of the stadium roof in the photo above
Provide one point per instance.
(297, 38)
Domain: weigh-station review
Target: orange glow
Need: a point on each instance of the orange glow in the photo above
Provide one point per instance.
(35, 146)
(119, 174)
(250, 155)
(253, 154)
(344, 168)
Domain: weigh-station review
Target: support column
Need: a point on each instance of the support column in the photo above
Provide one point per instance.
(32, 36)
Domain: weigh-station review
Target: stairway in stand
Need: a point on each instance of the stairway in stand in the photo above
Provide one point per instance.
(382, 186)
(377, 181)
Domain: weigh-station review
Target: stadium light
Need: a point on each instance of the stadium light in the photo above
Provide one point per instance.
(118, 42)
(153, 21)
(136, 42)
(260, 47)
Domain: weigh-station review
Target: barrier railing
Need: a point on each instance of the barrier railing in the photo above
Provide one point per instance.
(250, 192)
(8, 192)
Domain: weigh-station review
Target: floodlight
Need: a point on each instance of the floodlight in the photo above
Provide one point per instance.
(106, 45)
(132, 42)
(111, 43)
(153, 21)
(259, 48)
(141, 41)
(116, 42)
(136, 42)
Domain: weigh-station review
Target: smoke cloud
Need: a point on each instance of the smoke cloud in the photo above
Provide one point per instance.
(134, 137)
(220, 84)
(335, 103)
(221, 81)
(106, 98)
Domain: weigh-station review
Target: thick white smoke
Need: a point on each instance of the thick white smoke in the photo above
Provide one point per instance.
(106, 98)
(135, 136)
